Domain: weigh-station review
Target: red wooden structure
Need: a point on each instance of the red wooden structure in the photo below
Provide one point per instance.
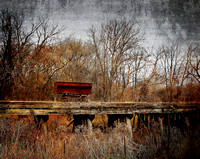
(79, 91)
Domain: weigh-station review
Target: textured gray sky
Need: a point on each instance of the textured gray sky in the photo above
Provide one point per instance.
(161, 21)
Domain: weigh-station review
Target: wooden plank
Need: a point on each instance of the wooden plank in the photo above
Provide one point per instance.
(44, 104)
(87, 111)
(48, 107)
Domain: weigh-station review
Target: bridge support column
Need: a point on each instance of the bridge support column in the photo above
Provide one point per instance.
(38, 118)
(135, 122)
(187, 122)
(85, 120)
(41, 122)
(129, 126)
(113, 119)
(160, 119)
(89, 124)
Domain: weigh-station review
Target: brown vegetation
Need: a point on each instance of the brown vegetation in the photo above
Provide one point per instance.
(19, 138)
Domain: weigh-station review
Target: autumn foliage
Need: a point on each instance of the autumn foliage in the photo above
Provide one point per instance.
(33, 58)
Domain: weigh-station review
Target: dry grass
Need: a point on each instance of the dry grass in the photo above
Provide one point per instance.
(20, 139)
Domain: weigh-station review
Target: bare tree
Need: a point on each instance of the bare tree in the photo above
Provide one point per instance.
(76, 57)
(150, 76)
(21, 56)
(193, 56)
(10, 31)
(139, 61)
(112, 46)
(172, 62)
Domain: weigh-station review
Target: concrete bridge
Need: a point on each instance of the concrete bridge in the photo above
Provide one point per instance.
(84, 112)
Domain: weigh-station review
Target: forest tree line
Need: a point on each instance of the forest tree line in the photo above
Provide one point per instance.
(33, 57)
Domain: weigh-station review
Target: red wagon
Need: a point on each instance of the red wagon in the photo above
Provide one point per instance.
(72, 91)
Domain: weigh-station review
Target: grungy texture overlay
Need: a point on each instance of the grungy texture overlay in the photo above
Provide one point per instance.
(161, 21)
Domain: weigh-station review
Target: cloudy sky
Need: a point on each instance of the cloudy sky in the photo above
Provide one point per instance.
(161, 21)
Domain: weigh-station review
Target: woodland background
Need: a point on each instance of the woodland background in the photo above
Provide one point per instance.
(33, 57)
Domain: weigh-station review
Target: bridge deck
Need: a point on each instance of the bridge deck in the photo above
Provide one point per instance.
(61, 108)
